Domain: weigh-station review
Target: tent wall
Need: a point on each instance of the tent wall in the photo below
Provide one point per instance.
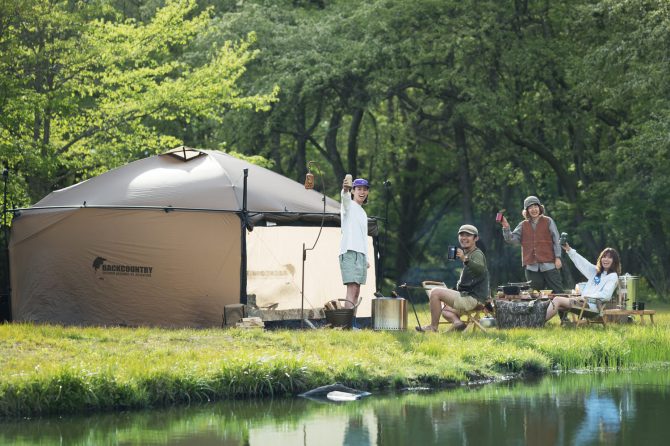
(160, 243)
(274, 267)
(131, 267)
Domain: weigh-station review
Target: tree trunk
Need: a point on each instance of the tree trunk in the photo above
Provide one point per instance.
(352, 145)
(464, 177)
(331, 145)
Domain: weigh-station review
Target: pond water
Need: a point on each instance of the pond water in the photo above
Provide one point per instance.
(568, 409)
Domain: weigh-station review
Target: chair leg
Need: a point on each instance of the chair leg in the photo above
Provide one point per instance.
(472, 321)
(580, 319)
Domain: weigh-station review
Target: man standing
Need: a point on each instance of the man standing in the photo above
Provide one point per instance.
(540, 247)
(472, 287)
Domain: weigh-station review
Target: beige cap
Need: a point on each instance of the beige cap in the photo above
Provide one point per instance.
(468, 229)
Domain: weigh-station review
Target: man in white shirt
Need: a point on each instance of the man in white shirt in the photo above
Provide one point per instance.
(354, 259)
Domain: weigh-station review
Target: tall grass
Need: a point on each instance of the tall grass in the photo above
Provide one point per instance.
(54, 369)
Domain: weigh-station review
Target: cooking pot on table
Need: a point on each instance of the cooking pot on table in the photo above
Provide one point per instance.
(511, 290)
(514, 288)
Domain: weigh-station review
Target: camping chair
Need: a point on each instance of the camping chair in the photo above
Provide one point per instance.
(472, 317)
(582, 314)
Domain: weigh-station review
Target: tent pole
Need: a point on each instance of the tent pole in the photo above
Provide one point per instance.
(384, 244)
(243, 240)
(5, 297)
(309, 184)
(302, 288)
(5, 176)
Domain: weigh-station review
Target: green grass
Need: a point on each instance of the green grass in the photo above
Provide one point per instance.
(47, 369)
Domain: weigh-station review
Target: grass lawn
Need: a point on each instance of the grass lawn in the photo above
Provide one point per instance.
(54, 369)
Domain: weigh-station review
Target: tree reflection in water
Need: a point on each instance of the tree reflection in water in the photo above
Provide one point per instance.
(569, 409)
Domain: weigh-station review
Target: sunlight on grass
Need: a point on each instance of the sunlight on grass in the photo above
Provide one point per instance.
(55, 369)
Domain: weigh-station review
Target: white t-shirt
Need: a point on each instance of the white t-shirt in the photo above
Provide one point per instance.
(354, 225)
(606, 285)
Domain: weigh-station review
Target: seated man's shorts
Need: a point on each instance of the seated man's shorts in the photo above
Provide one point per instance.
(354, 267)
(464, 303)
(460, 302)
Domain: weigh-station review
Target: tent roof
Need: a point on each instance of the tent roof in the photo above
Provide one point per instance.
(186, 178)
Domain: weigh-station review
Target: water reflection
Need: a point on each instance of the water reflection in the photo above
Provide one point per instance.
(561, 410)
(602, 420)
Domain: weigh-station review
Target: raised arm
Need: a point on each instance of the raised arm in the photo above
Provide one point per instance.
(512, 237)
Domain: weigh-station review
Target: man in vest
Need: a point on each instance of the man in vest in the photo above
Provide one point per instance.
(540, 247)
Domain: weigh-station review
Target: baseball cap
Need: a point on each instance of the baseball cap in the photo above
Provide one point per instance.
(361, 182)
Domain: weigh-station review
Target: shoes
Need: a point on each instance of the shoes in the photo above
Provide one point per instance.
(460, 327)
(425, 328)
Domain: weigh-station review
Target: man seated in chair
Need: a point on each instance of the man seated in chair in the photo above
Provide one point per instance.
(471, 290)
(602, 279)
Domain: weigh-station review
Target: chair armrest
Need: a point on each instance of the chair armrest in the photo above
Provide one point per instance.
(432, 282)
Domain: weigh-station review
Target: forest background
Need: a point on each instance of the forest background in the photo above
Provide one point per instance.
(453, 109)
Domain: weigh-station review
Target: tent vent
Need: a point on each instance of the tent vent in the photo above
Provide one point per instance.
(185, 153)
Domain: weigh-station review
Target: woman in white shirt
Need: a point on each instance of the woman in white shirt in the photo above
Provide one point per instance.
(602, 279)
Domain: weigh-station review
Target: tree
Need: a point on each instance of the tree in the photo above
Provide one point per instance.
(87, 92)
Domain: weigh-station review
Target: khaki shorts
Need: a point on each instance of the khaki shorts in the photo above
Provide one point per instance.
(354, 267)
(460, 302)
(464, 303)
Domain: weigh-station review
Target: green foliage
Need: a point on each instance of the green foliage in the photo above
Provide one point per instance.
(465, 107)
(88, 94)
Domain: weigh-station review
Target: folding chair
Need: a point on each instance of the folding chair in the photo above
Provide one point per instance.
(472, 317)
(583, 314)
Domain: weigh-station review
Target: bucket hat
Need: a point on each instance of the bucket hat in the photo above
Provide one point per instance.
(469, 229)
(530, 200)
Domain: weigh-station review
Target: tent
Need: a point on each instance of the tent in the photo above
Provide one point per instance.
(170, 240)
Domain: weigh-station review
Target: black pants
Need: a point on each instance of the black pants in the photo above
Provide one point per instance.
(545, 280)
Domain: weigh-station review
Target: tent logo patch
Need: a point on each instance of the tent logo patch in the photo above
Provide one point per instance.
(102, 267)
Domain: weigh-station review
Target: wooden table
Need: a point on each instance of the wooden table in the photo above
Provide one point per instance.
(641, 313)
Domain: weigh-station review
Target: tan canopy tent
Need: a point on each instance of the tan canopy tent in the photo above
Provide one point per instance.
(170, 240)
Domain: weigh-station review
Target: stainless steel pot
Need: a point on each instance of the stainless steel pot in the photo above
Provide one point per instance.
(628, 290)
(389, 313)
